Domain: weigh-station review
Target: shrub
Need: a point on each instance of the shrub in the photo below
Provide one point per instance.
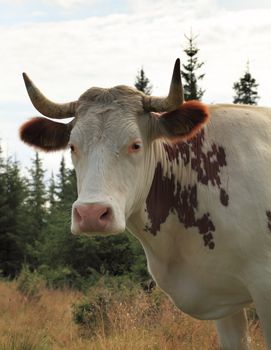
(30, 283)
(59, 278)
(63, 277)
(91, 313)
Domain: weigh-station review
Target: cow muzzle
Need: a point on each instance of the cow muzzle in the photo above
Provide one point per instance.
(93, 218)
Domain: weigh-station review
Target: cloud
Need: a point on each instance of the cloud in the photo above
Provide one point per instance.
(66, 57)
(243, 4)
(63, 3)
(37, 13)
(70, 3)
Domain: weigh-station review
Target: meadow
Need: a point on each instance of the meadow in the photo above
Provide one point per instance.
(101, 319)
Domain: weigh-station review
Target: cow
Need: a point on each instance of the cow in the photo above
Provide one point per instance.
(189, 180)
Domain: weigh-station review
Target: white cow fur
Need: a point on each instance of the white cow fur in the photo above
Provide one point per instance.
(206, 283)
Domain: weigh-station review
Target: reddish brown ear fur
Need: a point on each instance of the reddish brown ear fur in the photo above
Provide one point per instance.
(184, 122)
(45, 134)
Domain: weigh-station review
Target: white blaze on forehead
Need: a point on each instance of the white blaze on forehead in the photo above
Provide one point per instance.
(108, 115)
(113, 129)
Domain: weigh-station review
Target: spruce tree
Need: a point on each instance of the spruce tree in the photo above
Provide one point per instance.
(37, 193)
(62, 182)
(52, 191)
(189, 73)
(142, 83)
(59, 246)
(37, 211)
(4, 217)
(246, 89)
(12, 217)
(15, 229)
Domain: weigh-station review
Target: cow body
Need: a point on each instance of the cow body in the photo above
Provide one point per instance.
(196, 196)
(229, 199)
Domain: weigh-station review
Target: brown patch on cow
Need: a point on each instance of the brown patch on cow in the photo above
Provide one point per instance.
(184, 122)
(224, 197)
(207, 163)
(45, 134)
(167, 196)
(268, 214)
(175, 150)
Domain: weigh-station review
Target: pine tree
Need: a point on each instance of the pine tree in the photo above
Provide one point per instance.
(52, 191)
(15, 228)
(4, 216)
(189, 73)
(12, 216)
(58, 244)
(37, 211)
(62, 181)
(142, 83)
(246, 89)
(37, 193)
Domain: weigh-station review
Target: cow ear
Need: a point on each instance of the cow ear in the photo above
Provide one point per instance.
(45, 134)
(183, 123)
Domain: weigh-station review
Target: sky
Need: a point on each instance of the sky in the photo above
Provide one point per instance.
(67, 46)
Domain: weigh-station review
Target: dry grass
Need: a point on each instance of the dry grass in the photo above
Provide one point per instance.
(136, 321)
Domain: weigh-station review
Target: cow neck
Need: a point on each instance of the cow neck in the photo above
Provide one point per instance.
(172, 187)
(180, 169)
(164, 173)
(172, 162)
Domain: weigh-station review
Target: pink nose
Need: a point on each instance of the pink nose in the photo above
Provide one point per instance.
(89, 218)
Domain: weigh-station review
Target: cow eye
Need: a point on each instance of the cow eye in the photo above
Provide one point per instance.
(135, 147)
(72, 148)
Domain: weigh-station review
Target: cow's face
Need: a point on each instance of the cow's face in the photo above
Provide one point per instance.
(108, 145)
(110, 140)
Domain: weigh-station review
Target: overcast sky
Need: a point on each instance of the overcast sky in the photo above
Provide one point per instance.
(67, 46)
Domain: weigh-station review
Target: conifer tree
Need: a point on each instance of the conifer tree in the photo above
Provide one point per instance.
(246, 89)
(15, 229)
(12, 217)
(52, 192)
(142, 83)
(3, 215)
(36, 215)
(62, 181)
(190, 71)
(58, 244)
(37, 193)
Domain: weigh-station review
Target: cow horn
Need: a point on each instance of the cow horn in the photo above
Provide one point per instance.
(175, 97)
(46, 107)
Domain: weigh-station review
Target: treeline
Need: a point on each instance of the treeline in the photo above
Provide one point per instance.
(35, 231)
(245, 89)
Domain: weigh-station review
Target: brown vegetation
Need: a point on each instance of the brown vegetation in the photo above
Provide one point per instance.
(134, 321)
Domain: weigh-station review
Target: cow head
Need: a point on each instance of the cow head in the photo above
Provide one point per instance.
(111, 138)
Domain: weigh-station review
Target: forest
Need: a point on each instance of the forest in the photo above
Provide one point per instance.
(35, 231)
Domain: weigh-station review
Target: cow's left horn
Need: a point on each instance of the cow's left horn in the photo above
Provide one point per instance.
(175, 97)
(46, 107)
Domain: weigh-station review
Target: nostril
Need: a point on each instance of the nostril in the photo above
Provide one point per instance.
(106, 215)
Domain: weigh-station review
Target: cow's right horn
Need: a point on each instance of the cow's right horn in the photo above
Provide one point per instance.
(175, 97)
(46, 107)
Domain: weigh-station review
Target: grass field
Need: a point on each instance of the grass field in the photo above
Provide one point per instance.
(133, 320)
